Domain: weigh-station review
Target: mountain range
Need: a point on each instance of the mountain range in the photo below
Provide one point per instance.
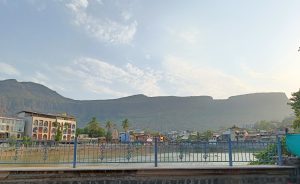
(158, 113)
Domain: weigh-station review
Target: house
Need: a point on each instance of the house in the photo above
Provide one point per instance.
(172, 135)
(140, 136)
(11, 127)
(235, 134)
(215, 138)
(41, 126)
(124, 137)
(115, 136)
(252, 137)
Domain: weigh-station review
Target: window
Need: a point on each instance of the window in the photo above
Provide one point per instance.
(46, 123)
(54, 124)
(45, 130)
(41, 123)
(35, 123)
(53, 130)
(44, 137)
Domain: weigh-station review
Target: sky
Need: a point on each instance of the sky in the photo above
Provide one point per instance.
(105, 49)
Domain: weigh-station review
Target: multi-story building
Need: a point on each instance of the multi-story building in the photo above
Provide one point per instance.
(11, 127)
(40, 126)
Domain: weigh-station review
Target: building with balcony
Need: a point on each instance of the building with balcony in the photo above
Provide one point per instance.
(40, 126)
(11, 127)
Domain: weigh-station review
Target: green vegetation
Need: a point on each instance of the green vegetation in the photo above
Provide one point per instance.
(27, 141)
(109, 126)
(269, 155)
(265, 125)
(125, 124)
(295, 103)
(58, 134)
(12, 140)
(208, 135)
(93, 129)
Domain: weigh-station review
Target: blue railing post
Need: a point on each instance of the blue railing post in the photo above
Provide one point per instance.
(75, 153)
(230, 150)
(279, 151)
(155, 151)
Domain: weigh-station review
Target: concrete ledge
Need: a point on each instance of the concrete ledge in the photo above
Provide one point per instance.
(208, 175)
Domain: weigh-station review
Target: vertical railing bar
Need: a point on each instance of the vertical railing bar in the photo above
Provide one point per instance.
(230, 151)
(155, 152)
(75, 153)
(279, 151)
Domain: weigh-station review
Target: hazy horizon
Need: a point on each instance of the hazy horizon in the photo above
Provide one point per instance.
(102, 49)
(152, 96)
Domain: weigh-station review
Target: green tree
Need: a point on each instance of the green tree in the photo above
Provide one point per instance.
(94, 129)
(58, 134)
(109, 136)
(125, 124)
(109, 125)
(286, 122)
(268, 155)
(27, 141)
(295, 103)
(208, 135)
(79, 131)
(265, 125)
(12, 140)
(198, 138)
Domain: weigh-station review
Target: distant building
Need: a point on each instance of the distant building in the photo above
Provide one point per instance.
(235, 134)
(40, 126)
(124, 137)
(11, 127)
(115, 136)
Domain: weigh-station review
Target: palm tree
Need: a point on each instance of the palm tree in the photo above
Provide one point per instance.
(125, 124)
(109, 125)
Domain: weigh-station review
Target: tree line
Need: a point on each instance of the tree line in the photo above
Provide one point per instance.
(94, 129)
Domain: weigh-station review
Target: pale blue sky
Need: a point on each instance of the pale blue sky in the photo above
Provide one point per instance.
(101, 49)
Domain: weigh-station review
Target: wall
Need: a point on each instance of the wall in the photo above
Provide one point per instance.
(235, 175)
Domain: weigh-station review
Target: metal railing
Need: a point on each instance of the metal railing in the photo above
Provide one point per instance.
(218, 153)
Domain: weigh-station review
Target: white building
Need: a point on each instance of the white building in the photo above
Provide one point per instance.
(11, 127)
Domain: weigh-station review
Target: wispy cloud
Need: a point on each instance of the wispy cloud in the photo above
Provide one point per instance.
(284, 76)
(8, 69)
(104, 78)
(126, 15)
(177, 77)
(102, 28)
(188, 78)
(188, 36)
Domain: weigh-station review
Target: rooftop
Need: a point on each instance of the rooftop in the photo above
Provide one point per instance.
(62, 116)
